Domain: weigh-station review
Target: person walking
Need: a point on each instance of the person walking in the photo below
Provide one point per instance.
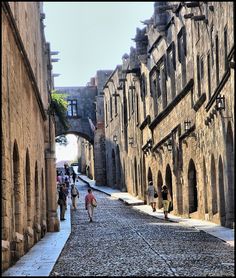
(151, 198)
(74, 176)
(74, 193)
(62, 202)
(90, 204)
(165, 200)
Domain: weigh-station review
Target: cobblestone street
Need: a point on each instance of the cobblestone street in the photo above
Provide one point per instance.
(124, 242)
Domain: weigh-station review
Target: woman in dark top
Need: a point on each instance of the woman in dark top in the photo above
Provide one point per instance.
(62, 202)
(165, 201)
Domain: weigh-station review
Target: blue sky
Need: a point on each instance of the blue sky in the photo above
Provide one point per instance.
(91, 36)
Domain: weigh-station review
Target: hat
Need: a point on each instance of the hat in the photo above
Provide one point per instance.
(150, 183)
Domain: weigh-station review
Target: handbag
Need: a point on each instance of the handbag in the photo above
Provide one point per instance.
(60, 202)
(94, 203)
(170, 206)
(155, 194)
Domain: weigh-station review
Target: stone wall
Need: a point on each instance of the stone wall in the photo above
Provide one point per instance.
(25, 133)
(168, 125)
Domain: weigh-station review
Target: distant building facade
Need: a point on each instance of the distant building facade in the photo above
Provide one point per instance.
(169, 110)
(29, 205)
(85, 115)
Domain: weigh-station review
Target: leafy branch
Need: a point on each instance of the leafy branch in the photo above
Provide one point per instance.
(58, 106)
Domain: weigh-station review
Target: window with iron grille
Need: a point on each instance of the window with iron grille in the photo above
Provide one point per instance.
(72, 108)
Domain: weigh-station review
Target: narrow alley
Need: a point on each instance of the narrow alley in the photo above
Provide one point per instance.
(124, 242)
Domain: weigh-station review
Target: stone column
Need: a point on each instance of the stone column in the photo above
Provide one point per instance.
(53, 223)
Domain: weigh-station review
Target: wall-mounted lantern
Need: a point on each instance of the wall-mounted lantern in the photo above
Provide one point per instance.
(115, 138)
(149, 144)
(187, 125)
(169, 145)
(220, 102)
(131, 140)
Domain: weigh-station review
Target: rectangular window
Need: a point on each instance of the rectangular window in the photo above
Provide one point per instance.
(198, 76)
(72, 108)
(209, 74)
(154, 90)
(202, 69)
(226, 48)
(182, 53)
(217, 61)
(110, 107)
(153, 84)
(137, 110)
(163, 84)
(106, 115)
(171, 67)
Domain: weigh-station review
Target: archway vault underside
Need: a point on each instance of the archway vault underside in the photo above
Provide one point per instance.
(80, 127)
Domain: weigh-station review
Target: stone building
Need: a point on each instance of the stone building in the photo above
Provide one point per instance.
(29, 207)
(169, 110)
(86, 119)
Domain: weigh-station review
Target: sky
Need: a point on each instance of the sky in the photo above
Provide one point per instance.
(68, 152)
(91, 36)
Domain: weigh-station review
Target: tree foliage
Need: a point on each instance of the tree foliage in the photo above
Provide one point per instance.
(62, 140)
(58, 106)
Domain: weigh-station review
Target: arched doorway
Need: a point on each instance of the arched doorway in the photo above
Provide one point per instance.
(28, 188)
(118, 167)
(135, 178)
(37, 201)
(113, 168)
(15, 202)
(192, 187)
(221, 192)
(28, 200)
(205, 186)
(169, 180)
(144, 182)
(159, 185)
(214, 200)
(124, 188)
(230, 176)
(149, 174)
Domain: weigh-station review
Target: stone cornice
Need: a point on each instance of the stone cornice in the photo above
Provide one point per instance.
(22, 50)
(145, 122)
(218, 89)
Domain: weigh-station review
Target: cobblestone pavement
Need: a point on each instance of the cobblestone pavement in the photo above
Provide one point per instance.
(125, 242)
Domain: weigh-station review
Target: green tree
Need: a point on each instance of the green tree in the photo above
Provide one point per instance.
(58, 107)
(62, 140)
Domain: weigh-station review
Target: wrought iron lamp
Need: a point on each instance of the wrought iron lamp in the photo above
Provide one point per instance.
(115, 138)
(187, 125)
(220, 102)
(169, 145)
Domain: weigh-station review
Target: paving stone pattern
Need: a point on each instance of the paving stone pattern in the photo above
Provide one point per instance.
(124, 242)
